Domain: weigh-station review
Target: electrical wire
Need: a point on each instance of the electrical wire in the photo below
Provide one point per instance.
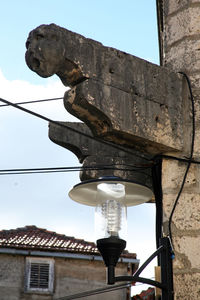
(72, 129)
(141, 167)
(33, 101)
(184, 160)
(189, 160)
(96, 292)
(71, 169)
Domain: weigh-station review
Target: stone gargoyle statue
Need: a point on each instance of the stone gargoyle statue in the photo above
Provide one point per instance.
(46, 54)
(122, 98)
(55, 50)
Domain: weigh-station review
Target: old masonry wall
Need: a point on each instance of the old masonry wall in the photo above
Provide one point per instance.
(181, 52)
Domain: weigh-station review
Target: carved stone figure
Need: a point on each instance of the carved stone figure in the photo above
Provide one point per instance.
(122, 99)
(45, 55)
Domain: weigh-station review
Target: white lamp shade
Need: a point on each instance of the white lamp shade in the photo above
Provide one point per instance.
(86, 192)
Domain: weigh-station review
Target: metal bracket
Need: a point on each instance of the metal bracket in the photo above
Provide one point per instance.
(166, 285)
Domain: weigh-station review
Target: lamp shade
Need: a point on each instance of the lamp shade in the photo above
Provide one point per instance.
(110, 196)
(86, 191)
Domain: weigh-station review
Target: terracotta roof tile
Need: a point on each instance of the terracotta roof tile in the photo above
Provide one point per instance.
(32, 237)
(145, 295)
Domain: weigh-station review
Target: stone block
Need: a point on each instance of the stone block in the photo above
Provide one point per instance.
(188, 247)
(187, 286)
(184, 23)
(183, 56)
(187, 213)
(171, 181)
(173, 6)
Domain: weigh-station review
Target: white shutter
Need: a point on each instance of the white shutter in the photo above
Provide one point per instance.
(40, 274)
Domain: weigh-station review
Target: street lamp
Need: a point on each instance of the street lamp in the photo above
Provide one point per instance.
(111, 196)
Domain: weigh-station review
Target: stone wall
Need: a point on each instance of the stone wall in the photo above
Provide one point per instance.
(77, 276)
(71, 276)
(181, 52)
(11, 276)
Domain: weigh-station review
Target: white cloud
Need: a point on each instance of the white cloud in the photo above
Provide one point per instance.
(24, 90)
(24, 137)
(19, 90)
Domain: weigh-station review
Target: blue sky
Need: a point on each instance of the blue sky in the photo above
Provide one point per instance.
(42, 200)
(130, 27)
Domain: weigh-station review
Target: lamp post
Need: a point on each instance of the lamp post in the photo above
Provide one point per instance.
(111, 196)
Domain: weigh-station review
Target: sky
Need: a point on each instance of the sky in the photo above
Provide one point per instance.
(42, 199)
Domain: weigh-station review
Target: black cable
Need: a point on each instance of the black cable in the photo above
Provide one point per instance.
(156, 171)
(189, 161)
(184, 160)
(72, 129)
(96, 292)
(157, 188)
(67, 169)
(141, 167)
(137, 278)
(33, 101)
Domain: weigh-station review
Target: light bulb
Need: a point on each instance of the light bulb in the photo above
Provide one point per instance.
(110, 213)
(111, 196)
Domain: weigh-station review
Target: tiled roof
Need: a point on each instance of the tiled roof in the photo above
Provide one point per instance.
(34, 238)
(145, 295)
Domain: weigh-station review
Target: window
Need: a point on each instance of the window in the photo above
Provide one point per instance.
(39, 274)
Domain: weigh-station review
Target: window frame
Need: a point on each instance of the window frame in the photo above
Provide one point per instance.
(39, 260)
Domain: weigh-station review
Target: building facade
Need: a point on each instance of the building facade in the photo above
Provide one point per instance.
(43, 265)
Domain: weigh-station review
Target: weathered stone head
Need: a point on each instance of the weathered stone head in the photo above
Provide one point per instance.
(46, 54)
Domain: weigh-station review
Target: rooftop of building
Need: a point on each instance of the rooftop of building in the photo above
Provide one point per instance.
(149, 294)
(34, 238)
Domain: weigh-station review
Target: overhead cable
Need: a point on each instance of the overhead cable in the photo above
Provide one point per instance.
(96, 292)
(33, 101)
(73, 169)
(71, 129)
(171, 157)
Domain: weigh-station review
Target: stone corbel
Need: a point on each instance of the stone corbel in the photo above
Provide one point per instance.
(121, 98)
(102, 159)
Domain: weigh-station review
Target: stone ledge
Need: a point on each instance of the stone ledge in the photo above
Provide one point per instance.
(106, 160)
(122, 98)
(127, 119)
